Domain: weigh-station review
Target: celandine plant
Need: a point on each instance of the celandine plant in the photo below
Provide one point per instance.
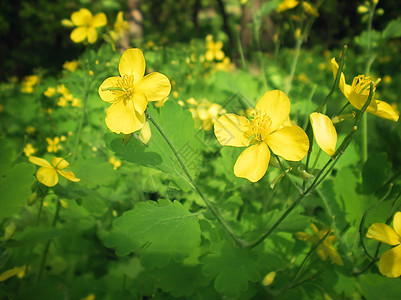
(186, 177)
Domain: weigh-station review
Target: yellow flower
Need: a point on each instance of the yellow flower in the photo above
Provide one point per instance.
(390, 261)
(49, 92)
(120, 27)
(286, 5)
(324, 132)
(357, 94)
(87, 25)
(28, 83)
(267, 129)
(29, 149)
(213, 49)
(62, 102)
(47, 173)
(52, 144)
(76, 102)
(19, 271)
(70, 65)
(115, 162)
(206, 113)
(129, 93)
(325, 249)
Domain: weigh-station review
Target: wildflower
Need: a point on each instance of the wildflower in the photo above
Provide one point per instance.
(286, 5)
(52, 144)
(267, 129)
(76, 102)
(358, 93)
(120, 27)
(129, 93)
(28, 83)
(206, 113)
(19, 271)
(47, 173)
(30, 129)
(324, 132)
(213, 49)
(225, 65)
(390, 261)
(49, 92)
(29, 149)
(62, 102)
(115, 162)
(70, 65)
(87, 25)
(325, 249)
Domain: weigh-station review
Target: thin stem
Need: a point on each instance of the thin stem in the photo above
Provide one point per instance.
(322, 174)
(240, 50)
(294, 63)
(209, 204)
(47, 246)
(287, 175)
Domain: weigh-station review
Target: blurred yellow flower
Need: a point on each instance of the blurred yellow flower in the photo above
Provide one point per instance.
(286, 5)
(62, 102)
(28, 83)
(19, 271)
(47, 173)
(205, 113)
(30, 129)
(76, 102)
(390, 261)
(86, 25)
(50, 91)
(213, 49)
(29, 149)
(357, 94)
(120, 27)
(130, 93)
(267, 129)
(71, 65)
(324, 132)
(53, 144)
(115, 162)
(325, 249)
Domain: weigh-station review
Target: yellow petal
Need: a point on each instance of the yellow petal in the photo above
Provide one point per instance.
(397, 223)
(359, 100)
(10, 273)
(276, 105)
(140, 102)
(333, 254)
(155, 86)
(390, 262)
(122, 117)
(39, 161)
(219, 55)
(324, 132)
(81, 17)
(99, 20)
(344, 87)
(253, 162)
(59, 163)
(306, 237)
(69, 175)
(92, 35)
(383, 233)
(386, 111)
(110, 96)
(209, 55)
(79, 34)
(230, 130)
(132, 62)
(289, 142)
(47, 176)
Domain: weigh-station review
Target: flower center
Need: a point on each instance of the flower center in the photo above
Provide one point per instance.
(259, 128)
(361, 84)
(125, 87)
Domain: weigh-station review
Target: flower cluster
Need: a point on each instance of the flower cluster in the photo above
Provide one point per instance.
(205, 113)
(214, 49)
(28, 83)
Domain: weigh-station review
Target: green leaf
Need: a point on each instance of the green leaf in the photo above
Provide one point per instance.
(95, 172)
(15, 183)
(178, 125)
(159, 230)
(375, 172)
(393, 29)
(233, 269)
(376, 286)
(33, 235)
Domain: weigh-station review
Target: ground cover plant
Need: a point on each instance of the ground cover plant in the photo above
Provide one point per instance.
(200, 150)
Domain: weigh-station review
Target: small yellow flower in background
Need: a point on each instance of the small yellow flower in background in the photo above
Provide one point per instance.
(30, 129)
(86, 25)
(19, 271)
(71, 65)
(76, 102)
(213, 49)
(62, 102)
(115, 162)
(267, 129)
(120, 27)
(268, 279)
(309, 9)
(324, 132)
(28, 83)
(47, 173)
(130, 93)
(205, 113)
(286, 5)
(53, 144)
(29, 149)
(325, 249)
(89, 297)
(225, 65)
(357, 94)
(50, 91)
(390, 261)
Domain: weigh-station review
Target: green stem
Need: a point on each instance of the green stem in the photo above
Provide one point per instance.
(209, 204)
(322, 174)
(294, 63)
(47, 246)
(287, 175)
(240, 50)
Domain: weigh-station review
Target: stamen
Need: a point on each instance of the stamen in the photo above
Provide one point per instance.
(259, 128)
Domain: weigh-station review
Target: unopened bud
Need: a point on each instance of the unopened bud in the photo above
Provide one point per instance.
(9, 231)
(145, 134)
(269, 278)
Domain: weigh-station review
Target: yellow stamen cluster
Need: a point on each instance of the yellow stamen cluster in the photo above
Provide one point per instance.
(259, 127)
(361, 84)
